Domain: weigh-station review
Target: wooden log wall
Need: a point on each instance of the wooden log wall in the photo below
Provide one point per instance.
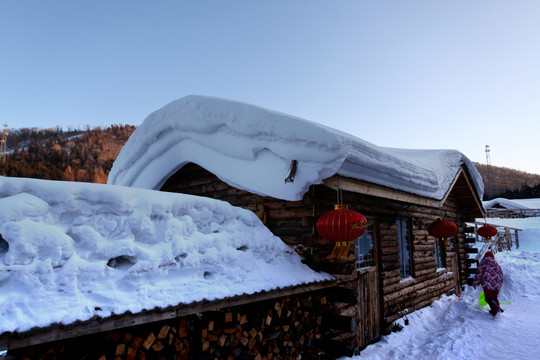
(292, 327)
(427, 284)
(294, 222)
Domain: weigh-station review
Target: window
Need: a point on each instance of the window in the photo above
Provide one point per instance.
(440, 253)
(404, 242)
(365, 256)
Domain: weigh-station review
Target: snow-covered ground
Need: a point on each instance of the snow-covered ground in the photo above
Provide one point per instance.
(459, 328)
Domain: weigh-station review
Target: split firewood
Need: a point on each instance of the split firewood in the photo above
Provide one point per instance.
(163, 332)
(149, 341)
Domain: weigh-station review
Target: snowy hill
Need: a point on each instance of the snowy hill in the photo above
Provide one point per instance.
(75, 250)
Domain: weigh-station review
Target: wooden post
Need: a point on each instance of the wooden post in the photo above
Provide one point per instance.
(508, 238)
(455, 270)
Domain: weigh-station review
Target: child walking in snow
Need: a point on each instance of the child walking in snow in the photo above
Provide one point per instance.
(489, 274)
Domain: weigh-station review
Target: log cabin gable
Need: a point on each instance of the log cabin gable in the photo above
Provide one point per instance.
(461, 188)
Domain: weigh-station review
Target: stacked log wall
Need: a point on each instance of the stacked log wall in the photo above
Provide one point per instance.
(292, 327)
(428, 282)
(294, 222)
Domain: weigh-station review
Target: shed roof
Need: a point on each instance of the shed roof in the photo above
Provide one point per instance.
(513, 204)
(73, 252)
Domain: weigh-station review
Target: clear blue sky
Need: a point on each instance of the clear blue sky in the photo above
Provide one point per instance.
(409, 74)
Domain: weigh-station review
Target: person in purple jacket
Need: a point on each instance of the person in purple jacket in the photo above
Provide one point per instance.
(490, 275)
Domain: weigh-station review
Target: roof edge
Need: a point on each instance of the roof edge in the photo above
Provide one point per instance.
(366, 188)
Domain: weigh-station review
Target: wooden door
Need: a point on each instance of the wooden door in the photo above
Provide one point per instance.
(369, 307)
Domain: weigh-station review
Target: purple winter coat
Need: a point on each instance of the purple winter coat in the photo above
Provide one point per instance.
(489, 274)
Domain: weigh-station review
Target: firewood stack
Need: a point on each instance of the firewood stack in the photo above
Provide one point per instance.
(286, 329)
(290, 327)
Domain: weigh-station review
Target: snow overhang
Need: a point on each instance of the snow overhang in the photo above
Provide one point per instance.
(252, 148)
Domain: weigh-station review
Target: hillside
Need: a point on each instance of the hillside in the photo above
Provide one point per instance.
(75, 155)
(87, 156)
(509, 183)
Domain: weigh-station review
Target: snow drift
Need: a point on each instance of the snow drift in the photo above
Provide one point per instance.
(75, 250)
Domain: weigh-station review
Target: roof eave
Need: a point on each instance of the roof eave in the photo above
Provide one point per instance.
(461, 179)
(97, 324)
(365, 188)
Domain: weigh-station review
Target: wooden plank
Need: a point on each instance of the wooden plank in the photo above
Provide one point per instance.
(456, 274)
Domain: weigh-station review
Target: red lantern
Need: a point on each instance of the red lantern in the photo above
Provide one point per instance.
(442, 229)
(487, 231)
(341, 225)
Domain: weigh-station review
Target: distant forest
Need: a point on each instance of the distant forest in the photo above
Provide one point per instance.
(509, 183)
(73, 155)
(87, 155)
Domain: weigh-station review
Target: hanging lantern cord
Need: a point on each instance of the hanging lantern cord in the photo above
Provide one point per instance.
(339, 194)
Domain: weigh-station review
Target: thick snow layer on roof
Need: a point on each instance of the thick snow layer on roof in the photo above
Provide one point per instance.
(75, 250)
(251, 148)
(513, 204)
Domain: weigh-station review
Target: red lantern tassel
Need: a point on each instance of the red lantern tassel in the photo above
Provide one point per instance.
(340, 250)
(443, 242)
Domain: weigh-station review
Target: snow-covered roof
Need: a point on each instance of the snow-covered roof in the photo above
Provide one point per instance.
(252, 148)
(513, 204)
(76, 250)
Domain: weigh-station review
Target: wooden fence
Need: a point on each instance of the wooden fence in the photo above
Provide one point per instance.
(511, 213)
(503, 241)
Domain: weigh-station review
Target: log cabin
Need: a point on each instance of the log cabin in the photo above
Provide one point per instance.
(290, 171)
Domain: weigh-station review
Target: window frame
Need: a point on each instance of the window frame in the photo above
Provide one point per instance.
(368, 260)
(440, 254)
(405, 254)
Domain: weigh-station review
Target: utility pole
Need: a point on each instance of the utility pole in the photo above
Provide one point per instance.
(3, 141)
(489, 173)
